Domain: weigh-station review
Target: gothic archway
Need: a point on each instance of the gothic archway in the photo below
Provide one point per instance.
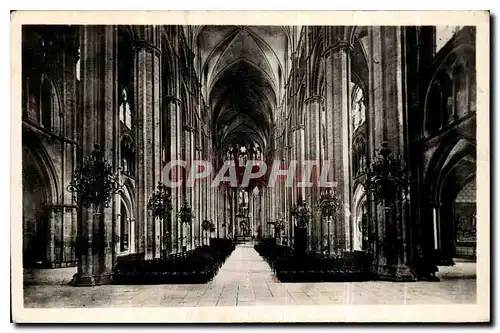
(360, 220)
(39, 195)
(445, 180)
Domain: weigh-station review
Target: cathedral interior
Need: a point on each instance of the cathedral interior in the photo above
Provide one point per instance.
(144, 96)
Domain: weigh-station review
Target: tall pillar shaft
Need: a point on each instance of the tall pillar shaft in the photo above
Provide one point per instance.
(388, 125)
(337, 66)
(95, 225)
(314, 105)
(188, 132)
(148, 130)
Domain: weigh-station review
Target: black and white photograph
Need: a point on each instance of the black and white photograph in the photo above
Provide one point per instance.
(242, 170)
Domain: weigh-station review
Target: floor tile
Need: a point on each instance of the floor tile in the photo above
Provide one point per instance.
(247, 280)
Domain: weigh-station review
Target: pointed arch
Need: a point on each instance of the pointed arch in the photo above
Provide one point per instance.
(42, 158)
(360, 219)
(125, 109)
(40, 194)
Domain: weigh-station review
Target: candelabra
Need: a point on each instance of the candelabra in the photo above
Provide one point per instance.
(302, 213)
(386, 179)
(329, 204)
(94, 182)
(208, 226)
(186, 214)
(160, 206)
(387, 182)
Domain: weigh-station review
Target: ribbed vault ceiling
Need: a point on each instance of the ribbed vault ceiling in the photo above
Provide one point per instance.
(242, 69)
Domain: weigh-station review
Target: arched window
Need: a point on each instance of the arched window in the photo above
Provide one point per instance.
(77, 66)
(124, 227)
(47, 100)
(127, 152)
(364, 226)
(443, 35)
(433, 118)
(125, 112)
(472, 90)
(362, 157)
(243, 202)
(359, 156)
(242, 157)
(257, 152)
(358, 108)
(279, 75)
(460, 88)
(205, 74)
(446, 89)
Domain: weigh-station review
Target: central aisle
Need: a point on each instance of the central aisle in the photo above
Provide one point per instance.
(245, 279)
(244, 265)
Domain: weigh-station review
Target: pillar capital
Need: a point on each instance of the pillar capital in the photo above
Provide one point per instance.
(172, 99)
(339, 46)
(297, 128)
(56, 208)
(314, 99)
(188, 128)
(146, 45)
(435, 204)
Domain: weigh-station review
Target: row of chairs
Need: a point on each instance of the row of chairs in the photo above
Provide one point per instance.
(199, 265)
(315, 267)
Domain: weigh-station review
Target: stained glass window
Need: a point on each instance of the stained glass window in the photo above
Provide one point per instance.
(125, 112)
(358, 108)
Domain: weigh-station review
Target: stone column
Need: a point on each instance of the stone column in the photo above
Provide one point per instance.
(387, 112)
(188, 132)
(291, 193)
(209, 210)
(54, 220)
(173, 109)
(300, 142)
(148, 130)
(69, 147)
(263, 213)
(204, 215)
(287, 202)
(175, 155)
(314, 106)
(212, 204)
(222, 216)
(293, 157)
(230, 201)
(197, 205)
(99, 120)
(132, 235)
(225, 211)
(337, 100)
(251, 224)
(305, 154)
(270, 211)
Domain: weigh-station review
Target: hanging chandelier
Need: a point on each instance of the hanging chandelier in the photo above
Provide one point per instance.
(386, 179)
(186, 214)
(160, 204)
(329, 204)
(280, 225)
(302, 213)
(94, 182)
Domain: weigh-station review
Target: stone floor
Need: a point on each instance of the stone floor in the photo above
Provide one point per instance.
(246, 280)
